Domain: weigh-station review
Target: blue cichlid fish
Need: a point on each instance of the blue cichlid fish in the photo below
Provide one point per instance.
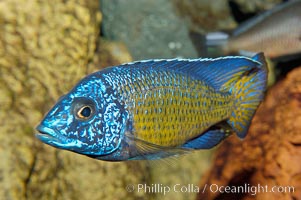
(276, 32)
(157, 108)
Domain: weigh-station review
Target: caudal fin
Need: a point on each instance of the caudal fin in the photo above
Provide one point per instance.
(248, 91)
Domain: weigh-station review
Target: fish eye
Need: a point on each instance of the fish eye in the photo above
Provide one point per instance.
(84, 112)
(83, 108)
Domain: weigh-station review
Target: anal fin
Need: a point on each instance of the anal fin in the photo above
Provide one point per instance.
(207, 140)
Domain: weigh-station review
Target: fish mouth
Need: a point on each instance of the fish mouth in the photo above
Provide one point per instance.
(54, 138)
(49, 136)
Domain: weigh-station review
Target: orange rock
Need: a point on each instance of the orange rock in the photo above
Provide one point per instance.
(270, 155)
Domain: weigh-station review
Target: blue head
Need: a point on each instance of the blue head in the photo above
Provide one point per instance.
(88, 120)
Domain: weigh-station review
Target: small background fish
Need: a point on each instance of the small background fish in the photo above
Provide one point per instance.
(157, 108)
(276, 32)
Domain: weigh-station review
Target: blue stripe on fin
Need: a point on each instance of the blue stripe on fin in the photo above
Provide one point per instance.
(207, 140)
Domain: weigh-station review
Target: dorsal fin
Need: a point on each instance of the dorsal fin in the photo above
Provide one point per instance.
(215, 72)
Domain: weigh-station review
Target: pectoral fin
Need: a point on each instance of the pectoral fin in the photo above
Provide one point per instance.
(150, 151)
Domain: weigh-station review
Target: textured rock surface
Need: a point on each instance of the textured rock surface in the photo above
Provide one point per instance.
(150, 29)
(204, 16)
(181, 175)
(45, 48)
(270, 155)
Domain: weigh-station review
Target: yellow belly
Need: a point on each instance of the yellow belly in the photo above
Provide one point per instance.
(169, 116)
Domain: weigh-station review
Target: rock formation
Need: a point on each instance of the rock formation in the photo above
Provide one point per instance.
(45, 48)
(270, 155)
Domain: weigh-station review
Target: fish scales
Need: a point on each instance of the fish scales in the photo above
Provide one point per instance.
(169, 108)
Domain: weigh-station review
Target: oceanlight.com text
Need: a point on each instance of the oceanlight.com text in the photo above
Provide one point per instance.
(214, 188)
(250, 189)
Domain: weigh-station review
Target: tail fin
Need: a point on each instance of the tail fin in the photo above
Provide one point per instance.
(249, 92)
